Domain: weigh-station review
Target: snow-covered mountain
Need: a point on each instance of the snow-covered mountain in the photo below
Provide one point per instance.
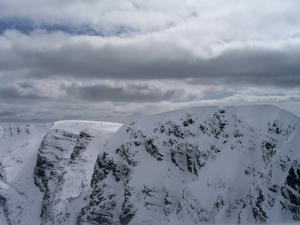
(230, 165)
(45, 169)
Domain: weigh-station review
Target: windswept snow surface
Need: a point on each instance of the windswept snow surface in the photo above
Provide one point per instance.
(76, 126)
(293, 107)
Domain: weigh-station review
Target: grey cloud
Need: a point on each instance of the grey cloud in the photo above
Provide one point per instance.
(256, 65)
(7, 114)
(20, 92)
(130, 93)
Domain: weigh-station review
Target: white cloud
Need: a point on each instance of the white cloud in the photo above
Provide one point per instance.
(204, 49)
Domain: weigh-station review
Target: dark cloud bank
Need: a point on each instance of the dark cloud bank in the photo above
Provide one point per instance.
(248, 65)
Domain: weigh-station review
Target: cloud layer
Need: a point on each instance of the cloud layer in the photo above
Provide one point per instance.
(117, 58)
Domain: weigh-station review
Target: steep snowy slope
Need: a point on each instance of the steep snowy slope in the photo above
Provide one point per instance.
(65, 165)
(19, 197)
(26, 197)
(204, 165)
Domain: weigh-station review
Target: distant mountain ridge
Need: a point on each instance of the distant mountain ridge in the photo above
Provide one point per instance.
(229, 165)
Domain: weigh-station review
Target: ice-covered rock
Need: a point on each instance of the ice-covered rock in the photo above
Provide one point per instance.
(204, 165)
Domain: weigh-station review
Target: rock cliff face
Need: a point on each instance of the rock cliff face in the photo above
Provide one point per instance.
(235, 165)
(64, 169)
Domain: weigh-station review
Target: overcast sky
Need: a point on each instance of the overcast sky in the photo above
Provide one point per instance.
(110, 59)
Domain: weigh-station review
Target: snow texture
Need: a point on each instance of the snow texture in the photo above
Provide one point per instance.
(215, 165)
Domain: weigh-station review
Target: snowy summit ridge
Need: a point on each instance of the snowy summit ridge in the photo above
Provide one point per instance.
(229, 165)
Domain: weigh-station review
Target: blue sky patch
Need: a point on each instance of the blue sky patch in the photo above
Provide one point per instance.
(27, 26)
